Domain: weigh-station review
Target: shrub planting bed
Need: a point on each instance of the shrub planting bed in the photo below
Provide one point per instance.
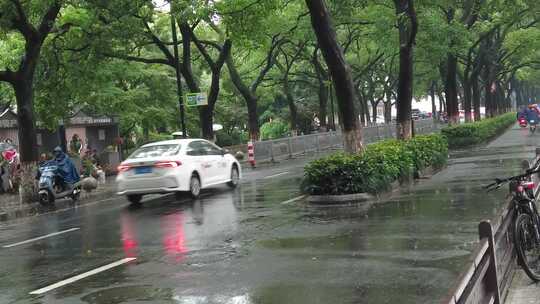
(376, 168)
(474, 133)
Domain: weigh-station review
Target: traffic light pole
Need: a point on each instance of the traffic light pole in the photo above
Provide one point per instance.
(178, 76)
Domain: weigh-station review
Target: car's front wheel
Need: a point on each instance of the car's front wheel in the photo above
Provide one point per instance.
(194, 186)
(235, 177)
(134, 199)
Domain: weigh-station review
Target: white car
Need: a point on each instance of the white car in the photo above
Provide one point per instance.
(174, 166)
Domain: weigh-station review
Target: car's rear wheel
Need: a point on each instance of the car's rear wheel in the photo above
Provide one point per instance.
(235, 177)
(194, 186)
(134, 199)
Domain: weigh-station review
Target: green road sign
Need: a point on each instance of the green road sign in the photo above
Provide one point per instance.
(196, 99)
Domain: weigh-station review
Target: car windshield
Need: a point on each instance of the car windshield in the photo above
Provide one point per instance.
(156, 151)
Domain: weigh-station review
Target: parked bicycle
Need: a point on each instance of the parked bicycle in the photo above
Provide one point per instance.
(526, 231)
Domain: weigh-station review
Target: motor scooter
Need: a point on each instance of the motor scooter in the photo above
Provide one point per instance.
(522, 122)
(532, 125)
(52, 186)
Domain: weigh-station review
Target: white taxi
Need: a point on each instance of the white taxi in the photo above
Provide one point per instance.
(175, 166)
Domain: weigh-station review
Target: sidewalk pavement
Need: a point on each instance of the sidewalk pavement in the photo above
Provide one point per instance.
(11, 208)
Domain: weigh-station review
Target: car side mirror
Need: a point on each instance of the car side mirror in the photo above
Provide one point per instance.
(224, 151)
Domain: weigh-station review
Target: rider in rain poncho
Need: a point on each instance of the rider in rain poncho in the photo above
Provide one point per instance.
(66, 168)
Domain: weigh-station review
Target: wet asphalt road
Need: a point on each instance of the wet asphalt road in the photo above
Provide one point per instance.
(254, 245)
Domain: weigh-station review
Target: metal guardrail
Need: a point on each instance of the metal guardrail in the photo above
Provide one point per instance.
(491, 265)
(279, 149)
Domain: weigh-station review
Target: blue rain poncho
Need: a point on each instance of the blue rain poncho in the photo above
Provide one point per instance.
(66, 168)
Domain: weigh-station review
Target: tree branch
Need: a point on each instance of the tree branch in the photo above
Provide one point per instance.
(203, 51)
(158, 42)
(7, 76)
(270, 60)
(21, 22)
(47, 22)
(141, 60)
(225, 50)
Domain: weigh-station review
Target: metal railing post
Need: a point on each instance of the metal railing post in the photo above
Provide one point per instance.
(485, 230)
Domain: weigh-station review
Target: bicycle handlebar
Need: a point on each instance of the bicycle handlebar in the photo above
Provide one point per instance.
(500, 181)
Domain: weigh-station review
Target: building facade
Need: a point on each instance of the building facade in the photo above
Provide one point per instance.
(99, 133)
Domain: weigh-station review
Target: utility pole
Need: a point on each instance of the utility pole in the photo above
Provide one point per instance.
(178, 75)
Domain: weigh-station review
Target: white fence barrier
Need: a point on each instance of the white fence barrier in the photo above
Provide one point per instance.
(283, 148)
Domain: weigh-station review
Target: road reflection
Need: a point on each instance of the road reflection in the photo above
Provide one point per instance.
(129, 241)
(172, 227)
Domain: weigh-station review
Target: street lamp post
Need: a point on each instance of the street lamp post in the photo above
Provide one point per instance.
(178, 75)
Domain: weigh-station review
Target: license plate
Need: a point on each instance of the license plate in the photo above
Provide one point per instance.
(143, 170)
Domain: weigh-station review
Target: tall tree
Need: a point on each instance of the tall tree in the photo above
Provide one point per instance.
(408, 28)
(340, 72)
(17, 16)
(206, 113)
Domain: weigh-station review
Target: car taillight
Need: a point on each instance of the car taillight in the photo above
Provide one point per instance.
(123, 168)
(167, 164)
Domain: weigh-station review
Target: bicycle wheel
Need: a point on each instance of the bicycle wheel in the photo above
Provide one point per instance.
(528, 249)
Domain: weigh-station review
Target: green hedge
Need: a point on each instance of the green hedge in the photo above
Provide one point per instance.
(474, 133)
(376, 168)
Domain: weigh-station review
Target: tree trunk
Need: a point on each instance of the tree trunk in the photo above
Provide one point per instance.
(25, 120)
(253, 118)
(450, 89)
(476, 97)
(292, 107)
(27, 139)
(407, 35)
(22, 82)
(250, 98)
(362, 110)
(388, 111)
(207, 122)
(322, 77)
(146, 133)
(340, 72)
(323, 104)
(374, 111)
(388, 105)
(434, 114)
(488, 92)
(516, 86)
(366, 113)
(206, 113)
(467, 103)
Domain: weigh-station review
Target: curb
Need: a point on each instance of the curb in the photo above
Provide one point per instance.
(346, 198)
(35, 208)
(370, 198)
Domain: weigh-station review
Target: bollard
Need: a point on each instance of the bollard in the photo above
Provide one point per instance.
(251, 154)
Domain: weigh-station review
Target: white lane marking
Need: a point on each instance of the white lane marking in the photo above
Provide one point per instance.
(276, 175)
(293, 200)
(41, 237)
(81, 276)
